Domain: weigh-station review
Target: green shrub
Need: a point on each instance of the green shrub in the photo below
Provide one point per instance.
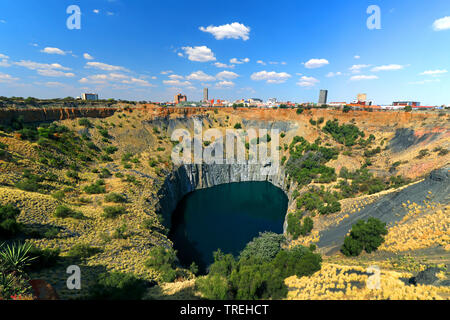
(296, 227)
(59, 195)
(163, 260)
(104, 173)
(83, 251)
(66, 212)
(111, 149)
(96, 188)
(238, 125)
(85, 123)
(346, 134)
(117, 286)
(9, 227)
(264, 247)
(365, 235)
(43, 258)
(115, 197)
(113, 211)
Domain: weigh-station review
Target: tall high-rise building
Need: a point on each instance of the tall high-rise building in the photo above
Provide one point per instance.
(323, 97)
(205, 94)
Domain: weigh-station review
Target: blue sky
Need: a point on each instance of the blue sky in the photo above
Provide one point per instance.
(150, 50)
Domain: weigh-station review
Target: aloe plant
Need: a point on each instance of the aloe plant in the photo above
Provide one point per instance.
(15, 257)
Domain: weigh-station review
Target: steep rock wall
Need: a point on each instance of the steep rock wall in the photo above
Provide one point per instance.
(190, 177)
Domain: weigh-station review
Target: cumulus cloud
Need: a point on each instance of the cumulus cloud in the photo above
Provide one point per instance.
(176, 82)
(234, 30)
(50, 50)
(270, 76)
(104, 66)
(239, 61)
(200, 76)
(307, 82)
(357, 57)
(176, 77)
(442, 24)
(223, 65)
(166, 71)
(225, 84)
(114, 79)
(199, 54)
(96, 11)
(316, 63)
(356, 68)
(226, 75)
(362, 77)
(433, 72)
(87, 56)
(36, 65)
(55, 73)
(333, 74)
(261, 62)
(7, 78)
(389, 67)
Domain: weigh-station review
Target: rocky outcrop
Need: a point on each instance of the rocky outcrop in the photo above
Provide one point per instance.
(190, 177)
(36, 115)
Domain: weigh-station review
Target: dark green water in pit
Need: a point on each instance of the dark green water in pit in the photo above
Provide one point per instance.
(227, 217)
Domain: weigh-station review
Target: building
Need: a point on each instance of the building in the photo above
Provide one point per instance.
(323, 97)
(179, 98)
(361, 97)
(205, 95)
(406, 103)
(89, 96)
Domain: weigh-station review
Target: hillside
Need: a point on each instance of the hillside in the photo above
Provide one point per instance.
(97, 177)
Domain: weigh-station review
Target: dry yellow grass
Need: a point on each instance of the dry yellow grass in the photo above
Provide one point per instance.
(337, 282)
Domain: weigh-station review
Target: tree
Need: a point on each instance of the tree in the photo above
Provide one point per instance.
(364, 235)
(264, 247)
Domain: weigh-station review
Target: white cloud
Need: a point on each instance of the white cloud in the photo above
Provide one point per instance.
(95, 11)
(40, 66)
(200, 76)
(166, 72)
(2, 56)
(362, 77)
(261, 62)
(333, 74)
(51, 50)
(442, 24)
(176, 77)
(433, 72)
(87, 56)
(4, 63)
(241, 61)
(356, 57)
(356, 68)
(200, 54)
(307, 82)
(234, 30)
(177, 83)
(270, 76)
(54, 73)
(226, 75)
(389, 67)
(7, 78)
(180, 54)
(223, 65)
(104, 66)
(115, 78)
(224, 84)
(316, 63)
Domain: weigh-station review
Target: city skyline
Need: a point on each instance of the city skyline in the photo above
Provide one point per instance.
(288, 50)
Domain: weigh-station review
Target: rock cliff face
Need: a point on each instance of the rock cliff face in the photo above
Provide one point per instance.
(188, 178)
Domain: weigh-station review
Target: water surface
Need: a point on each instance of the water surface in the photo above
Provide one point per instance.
(227, 217)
